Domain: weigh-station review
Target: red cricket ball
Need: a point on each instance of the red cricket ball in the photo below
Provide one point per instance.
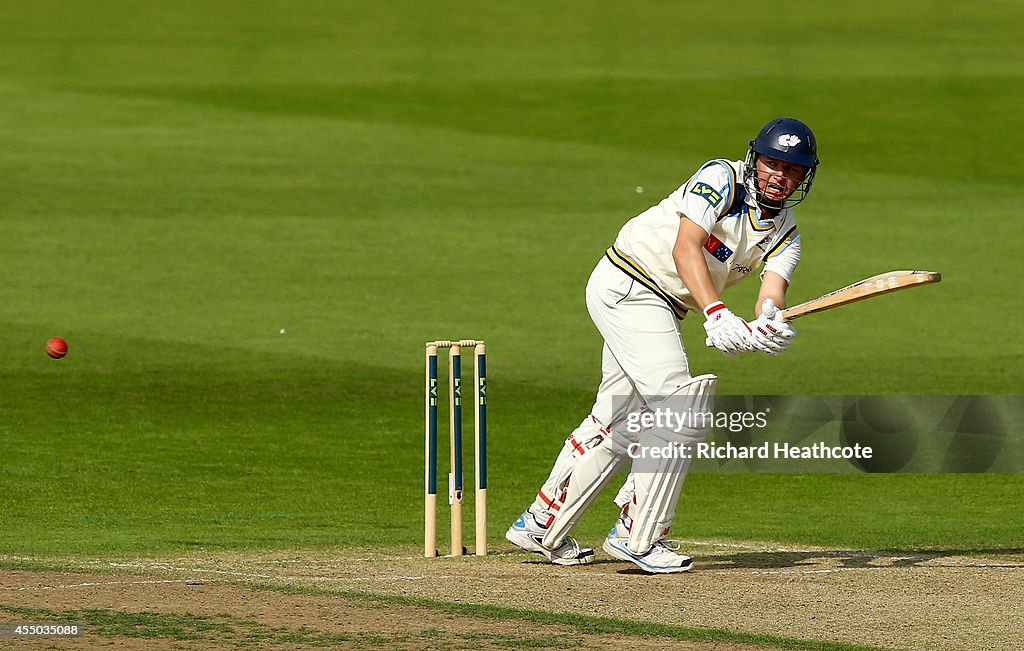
(56, 348)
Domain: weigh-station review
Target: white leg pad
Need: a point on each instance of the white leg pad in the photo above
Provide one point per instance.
(594, 463)
(657, 482)
(552, 492)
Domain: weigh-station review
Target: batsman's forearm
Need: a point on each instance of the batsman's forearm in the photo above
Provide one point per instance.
(773, 286)
(693, 270)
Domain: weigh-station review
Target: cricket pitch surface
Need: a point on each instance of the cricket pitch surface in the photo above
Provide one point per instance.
(362, 599)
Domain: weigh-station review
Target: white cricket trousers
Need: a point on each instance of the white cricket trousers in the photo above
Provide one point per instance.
(643, 358)
(643, 361)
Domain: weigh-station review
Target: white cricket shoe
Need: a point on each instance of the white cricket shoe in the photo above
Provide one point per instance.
(661, 558)
(526, 533)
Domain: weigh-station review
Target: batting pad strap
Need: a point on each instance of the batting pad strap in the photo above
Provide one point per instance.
(547, 500)
(579, 448)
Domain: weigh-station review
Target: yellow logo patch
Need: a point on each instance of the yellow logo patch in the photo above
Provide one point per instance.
(710, 194)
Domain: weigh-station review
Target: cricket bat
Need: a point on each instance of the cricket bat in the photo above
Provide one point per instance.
(892, 281)
(886, 283)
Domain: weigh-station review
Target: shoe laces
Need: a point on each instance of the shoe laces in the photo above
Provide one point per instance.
(669, 545)
(574, 546)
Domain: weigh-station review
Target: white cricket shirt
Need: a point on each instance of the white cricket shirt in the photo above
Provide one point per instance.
(739, 240)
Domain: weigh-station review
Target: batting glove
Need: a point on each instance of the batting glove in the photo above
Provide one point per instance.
(726, 331)
(769, 333)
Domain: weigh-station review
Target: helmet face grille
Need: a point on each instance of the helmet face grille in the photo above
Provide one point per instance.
(750, 183)
(789, 140)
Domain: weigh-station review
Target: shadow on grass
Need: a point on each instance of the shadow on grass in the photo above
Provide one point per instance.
(854, 559)
(826, 560)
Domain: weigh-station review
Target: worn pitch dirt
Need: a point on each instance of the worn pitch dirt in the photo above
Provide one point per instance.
(924, 601)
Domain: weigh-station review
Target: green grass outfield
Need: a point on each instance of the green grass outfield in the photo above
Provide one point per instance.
(179, 185)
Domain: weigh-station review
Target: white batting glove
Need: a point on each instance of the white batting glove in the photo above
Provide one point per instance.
(726, 331)
(769, 333)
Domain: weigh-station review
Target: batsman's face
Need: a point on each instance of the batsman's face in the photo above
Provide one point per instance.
(778, 179)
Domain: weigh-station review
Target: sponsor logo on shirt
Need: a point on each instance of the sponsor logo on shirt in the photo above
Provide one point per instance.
(710, 194)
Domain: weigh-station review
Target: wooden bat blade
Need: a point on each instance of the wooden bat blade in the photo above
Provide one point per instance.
(886, 283)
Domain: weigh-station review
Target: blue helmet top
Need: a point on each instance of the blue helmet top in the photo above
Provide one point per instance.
(789, 140)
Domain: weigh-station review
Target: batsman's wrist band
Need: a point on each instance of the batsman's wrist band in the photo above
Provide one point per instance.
(712, 308)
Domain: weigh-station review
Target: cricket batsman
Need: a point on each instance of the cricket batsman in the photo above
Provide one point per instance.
(728, 219)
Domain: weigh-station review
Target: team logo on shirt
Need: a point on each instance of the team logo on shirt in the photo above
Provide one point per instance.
(710, 194)
(717, 250)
